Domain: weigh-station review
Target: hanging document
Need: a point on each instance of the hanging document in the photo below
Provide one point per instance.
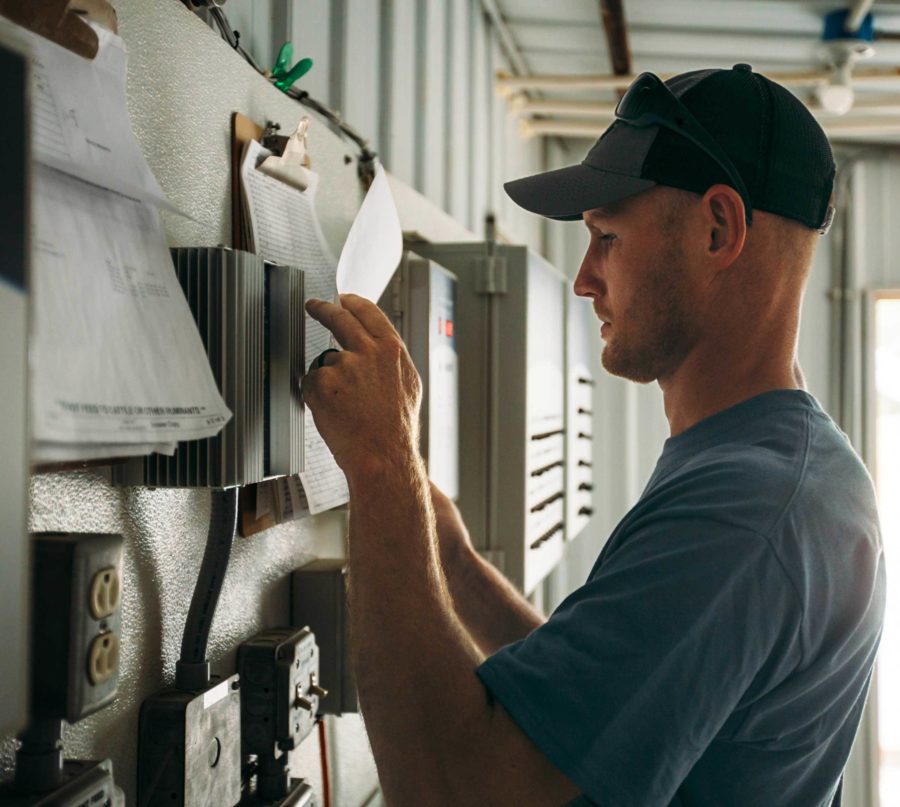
(118, 367)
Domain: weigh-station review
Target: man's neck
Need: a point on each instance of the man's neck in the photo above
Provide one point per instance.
(710, 381)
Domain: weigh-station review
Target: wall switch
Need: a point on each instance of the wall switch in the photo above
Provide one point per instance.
(76, 623)
(84, 784)
(189, 747)
(319, 600)
(279, 671)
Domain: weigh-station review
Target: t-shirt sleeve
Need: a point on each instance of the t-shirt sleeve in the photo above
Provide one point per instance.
(636, 672)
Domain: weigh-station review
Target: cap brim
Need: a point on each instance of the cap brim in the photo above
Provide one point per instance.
(565, 193)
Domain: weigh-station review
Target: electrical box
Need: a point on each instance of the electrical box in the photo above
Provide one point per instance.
(581, 358)
(279, 671)
(250, 316)
(76, 624)
(510, 335)
(189, 747)
(421, 302)
(84, 784)
(319, 600)
(15, 160)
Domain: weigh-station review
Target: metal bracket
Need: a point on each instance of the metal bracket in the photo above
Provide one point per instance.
(492, 279)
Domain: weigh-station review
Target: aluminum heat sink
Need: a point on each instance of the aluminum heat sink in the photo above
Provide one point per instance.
(250, 317)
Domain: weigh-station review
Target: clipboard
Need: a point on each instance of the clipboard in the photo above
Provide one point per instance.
(286, 170)
(63, 21)
(243, 130)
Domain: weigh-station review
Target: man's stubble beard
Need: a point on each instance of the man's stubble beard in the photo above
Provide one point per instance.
(651, 338)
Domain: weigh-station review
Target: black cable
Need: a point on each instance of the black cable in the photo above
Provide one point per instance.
(192, 669)
(39, 757)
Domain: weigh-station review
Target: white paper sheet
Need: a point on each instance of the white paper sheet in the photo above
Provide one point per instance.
(116, 356)
(80, 121)
(323, 481)
(373, 247)
(42, 452)
(285, 230)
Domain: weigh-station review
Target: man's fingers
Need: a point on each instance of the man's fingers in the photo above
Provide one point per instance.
(370, 315)
(340, 321)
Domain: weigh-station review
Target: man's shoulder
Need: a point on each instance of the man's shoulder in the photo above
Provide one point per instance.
(795, 462)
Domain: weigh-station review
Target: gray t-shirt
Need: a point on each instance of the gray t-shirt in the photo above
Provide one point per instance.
(721, 649)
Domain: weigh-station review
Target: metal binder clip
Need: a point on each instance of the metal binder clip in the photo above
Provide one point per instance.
(61, 21)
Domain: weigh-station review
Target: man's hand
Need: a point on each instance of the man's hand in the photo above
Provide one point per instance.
(365, 399)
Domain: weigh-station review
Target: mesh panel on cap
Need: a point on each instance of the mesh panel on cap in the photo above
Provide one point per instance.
(728, 104)
(776, 145)
(802, 174)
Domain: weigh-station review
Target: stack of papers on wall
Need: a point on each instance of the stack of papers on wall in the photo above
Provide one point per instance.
(281, 225)
(118, 367)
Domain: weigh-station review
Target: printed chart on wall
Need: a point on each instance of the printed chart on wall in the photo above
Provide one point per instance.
(118, 366)
(284, 229)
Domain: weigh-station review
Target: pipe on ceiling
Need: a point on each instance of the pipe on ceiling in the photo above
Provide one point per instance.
(507, 41)
(856, 13)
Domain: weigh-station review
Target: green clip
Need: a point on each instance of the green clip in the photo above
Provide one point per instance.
(284, 78)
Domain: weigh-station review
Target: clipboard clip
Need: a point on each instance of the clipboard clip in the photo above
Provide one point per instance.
(63, 21)
(290, 161)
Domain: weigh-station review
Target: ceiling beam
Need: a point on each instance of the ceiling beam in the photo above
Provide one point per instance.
(612, 13)
(590, 131)
(522, 107)
(507, 84)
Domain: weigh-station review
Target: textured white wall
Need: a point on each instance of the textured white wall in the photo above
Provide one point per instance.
(183, 85)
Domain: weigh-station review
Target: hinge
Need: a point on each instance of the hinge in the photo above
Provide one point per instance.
(837, 293)
(397, 307)
(492, 279)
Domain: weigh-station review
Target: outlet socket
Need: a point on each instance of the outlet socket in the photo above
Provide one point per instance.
(75, 654)
(103, 658)
(104, 593)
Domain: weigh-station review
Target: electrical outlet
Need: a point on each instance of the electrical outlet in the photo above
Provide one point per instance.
(300, 794)
(76, 623)
(319, 600)
(279, 671)
(104, 594)
(189, 747)
(84, 784)
(103, 658)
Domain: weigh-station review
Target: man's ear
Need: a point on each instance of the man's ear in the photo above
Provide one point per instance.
(726, 224)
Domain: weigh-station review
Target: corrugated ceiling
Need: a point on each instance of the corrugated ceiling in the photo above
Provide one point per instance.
(567, 37)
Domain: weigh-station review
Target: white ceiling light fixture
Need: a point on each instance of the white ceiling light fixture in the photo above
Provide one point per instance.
(848, 38)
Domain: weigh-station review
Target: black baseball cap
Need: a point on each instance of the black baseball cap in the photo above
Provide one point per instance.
(746, 124)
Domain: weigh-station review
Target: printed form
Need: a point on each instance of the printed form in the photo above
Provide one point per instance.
(118, 366)
(285, 230)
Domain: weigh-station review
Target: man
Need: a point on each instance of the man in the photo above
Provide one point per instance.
(721, 649)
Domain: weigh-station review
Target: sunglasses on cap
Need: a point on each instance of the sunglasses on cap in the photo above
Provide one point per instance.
(649, 102)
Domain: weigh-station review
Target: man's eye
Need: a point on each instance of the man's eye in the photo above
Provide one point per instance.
(606, 237)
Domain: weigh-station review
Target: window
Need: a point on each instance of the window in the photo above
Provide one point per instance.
(886, 333)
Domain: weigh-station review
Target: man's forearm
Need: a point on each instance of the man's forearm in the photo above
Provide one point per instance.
(414, 662)
(490, 607)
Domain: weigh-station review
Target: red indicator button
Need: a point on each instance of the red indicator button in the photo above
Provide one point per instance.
(449, 327)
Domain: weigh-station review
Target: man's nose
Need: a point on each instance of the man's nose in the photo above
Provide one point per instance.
(587, 281)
